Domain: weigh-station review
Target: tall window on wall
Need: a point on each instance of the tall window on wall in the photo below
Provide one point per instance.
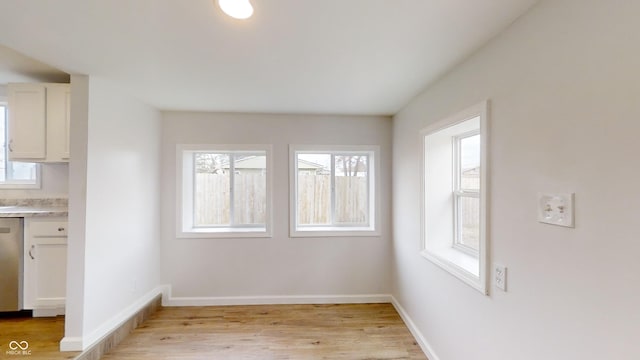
(225, 191)
(333, 190)
(454, 195)
(466, 192)
(13, 174)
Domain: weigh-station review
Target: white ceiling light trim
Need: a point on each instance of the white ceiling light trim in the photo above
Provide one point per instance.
(238, 9)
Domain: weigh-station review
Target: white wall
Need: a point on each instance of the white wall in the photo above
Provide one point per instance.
(120, 243)
(564, 85)
(210, 269)
(74, 312)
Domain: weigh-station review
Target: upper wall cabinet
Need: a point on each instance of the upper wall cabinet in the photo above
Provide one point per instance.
(39, 119)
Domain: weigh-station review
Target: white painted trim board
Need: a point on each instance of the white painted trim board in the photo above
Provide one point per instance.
(85, 342)
(276, 300)
(417, 334)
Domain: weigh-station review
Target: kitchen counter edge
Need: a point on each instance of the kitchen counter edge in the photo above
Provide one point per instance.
(24, 211)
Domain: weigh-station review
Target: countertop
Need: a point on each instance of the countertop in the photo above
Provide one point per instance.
(33, 207)
(33, 211)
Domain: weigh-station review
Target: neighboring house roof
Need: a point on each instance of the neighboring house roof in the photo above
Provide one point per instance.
(307, 165)
(472, 171)
(258, 162)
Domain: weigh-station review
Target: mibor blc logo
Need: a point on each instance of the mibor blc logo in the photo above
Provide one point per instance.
(18, 348)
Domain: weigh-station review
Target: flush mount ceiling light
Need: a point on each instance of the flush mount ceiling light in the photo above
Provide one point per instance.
(238, 9)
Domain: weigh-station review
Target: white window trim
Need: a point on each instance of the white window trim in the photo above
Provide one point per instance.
(184, 188)
(335, 231)
(470, 269)
(16, 184)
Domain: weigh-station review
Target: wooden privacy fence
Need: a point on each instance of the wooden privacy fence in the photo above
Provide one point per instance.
(314, 199)
(470, 210)
(212, 200)
(470, 221)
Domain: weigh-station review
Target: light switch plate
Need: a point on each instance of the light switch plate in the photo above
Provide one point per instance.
(556, 209)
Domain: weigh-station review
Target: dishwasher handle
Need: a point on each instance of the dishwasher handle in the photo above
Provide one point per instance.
(30, 252)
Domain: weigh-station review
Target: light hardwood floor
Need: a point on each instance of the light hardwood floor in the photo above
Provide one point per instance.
(42, 334)
(358, 331)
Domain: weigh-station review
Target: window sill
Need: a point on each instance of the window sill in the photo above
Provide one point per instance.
(459, 264)
(320, 231)
(18, 186)
(208, 233)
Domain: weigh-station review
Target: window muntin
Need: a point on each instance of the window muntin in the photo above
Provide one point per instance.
(225, 191)
(333, 190)
(14, 174)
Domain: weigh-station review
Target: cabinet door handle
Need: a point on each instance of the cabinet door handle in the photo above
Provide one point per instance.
(60, 229)
(30, 252)
(10, 145)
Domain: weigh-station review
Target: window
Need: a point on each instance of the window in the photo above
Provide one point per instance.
(454, 195)
(13, 174)
(466, 192)
(225, 191)
(333, 190)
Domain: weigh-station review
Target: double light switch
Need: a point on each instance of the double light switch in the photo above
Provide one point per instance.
(556, 209)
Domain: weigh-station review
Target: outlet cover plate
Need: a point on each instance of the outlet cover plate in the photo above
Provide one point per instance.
(556, 209)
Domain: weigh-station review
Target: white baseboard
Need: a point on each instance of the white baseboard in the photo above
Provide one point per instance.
(424, 345)
(69, 343)
(275, 300)
(85, 342)
(49, 311)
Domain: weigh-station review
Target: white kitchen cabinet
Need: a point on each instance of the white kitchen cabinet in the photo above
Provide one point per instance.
(39, 119)
(45, 265)
(27, 113)
(58, 122)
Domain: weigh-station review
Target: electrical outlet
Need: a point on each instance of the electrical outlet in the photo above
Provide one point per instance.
(500, 276)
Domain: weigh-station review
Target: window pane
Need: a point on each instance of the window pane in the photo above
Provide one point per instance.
(351, 189)
(250, 189)
(13, 172)
(314, 189)
(21, 172)
(469, 221)
(212, 193)
(470, 163)
(3, 143)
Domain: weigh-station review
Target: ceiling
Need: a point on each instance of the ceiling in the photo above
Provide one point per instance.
(15, 67)
(292, 56)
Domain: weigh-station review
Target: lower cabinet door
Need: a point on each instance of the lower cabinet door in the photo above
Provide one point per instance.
(45, 269)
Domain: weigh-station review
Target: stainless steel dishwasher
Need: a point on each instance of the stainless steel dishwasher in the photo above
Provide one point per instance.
(11, 249)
